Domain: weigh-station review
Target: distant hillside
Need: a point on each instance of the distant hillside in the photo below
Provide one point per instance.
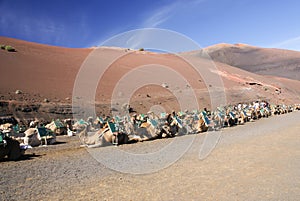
(264, 61)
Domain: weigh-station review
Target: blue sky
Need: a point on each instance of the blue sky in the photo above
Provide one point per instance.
(87, 23)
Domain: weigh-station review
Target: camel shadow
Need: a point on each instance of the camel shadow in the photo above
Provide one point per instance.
(28, 157)
(59, 142)
(24, 157)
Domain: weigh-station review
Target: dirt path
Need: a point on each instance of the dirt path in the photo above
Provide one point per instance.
(256, 161)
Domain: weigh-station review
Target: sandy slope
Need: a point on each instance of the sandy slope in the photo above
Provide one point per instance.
(39, 69)
(257, 161)
(265, 61)
(42, 71)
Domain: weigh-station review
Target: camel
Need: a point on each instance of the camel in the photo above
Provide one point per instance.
(131, 131)
(177, 127)
(267, 112)
(242, 117)
(9, 147)
(218, 119)
(230, 118)
(151, 132)
(104, 137)
(146, 131)
(31, 137)
(6, 127)
(81, 125)
(169, 126)
(57, 127)
(250, 113)
(36, 136)
(200, 123)
(200, 126)
(191, 124)
(141, 129)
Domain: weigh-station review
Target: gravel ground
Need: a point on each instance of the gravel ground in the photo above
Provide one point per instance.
(256, 161)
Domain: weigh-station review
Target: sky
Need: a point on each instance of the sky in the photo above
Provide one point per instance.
(86, 23)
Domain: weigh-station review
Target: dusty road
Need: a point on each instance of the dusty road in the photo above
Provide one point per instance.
(257, 161)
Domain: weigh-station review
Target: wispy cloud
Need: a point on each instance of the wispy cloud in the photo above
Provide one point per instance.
(291, 43)
(44, 26)
(41, 29)
(161, 15)
(151, 19)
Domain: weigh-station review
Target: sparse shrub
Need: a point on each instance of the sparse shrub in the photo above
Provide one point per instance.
(141, 49)
(9, 48)
(2, 47)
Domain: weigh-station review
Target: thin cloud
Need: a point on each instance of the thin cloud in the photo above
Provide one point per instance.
(161, 15)
(28, 26)
(153, 19)
(43, 28)
(158, 17)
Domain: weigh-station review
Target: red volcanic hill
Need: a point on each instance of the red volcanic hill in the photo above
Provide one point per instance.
(47, 72)
(264, 61)
(41, 69)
